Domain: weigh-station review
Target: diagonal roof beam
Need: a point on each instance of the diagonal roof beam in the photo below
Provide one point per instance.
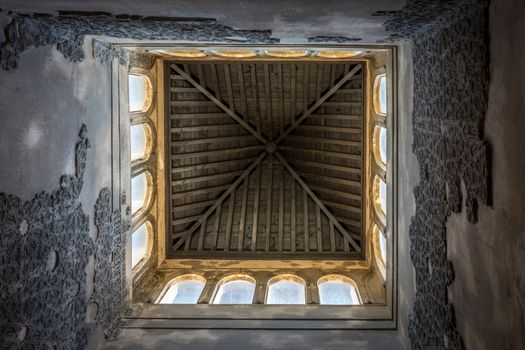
(187, 234)
(317, 104)
(318, 202)
(219, 104)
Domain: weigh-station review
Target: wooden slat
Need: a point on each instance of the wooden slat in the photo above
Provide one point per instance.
(200, 241)
(318, 228)
(332, 237)
(336, 193)
(318, 82)
(341, 155)
(306, 88)
(219, 152)
(280, 236)
(268, 101)
(305, 221)
(194, 116)
(200, 74)
(229, 223)
(353, 117)
(191, 180)
(185, 235)
(293, 228)
(185, 220)
(330, 129)
(207, 190)
(183, 89)
(269, 205)
(333, 68)
(213, 165)
(325, 166)
(348, 221)
(318, 103)
(229, 88)
(332, 179)
(255, 97)
(220, 104)
(188, 103)
(242, 222)
(195, 205)
(201, 128)
(280, 97)
(215, 233)
(328, 141)
(342, 206)
(293, 92)
(212, 140)
(317, 201)
(215, 79)
(256, 208)
(244, 106)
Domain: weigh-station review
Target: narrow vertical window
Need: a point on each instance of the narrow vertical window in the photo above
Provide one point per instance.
(140, 91)
(139, 190)
(139, 244)
(380, 95)
(139, 142)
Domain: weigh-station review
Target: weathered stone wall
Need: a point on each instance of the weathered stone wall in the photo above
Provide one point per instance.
(449, 48)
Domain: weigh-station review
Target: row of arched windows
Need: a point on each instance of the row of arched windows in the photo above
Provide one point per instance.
(140, 93)
(280, 290)
(379, 170)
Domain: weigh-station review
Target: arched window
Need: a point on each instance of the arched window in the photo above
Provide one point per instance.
(380, 99)
(140, 243)
(139, 191)
(185, 289)
(380, 145)
(337, 290)
(380, 196)
(382, 246)
(235, 290)
(140, 93)
(286, 289)
(139, 141)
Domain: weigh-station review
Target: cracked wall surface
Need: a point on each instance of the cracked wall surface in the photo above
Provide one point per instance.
(450, 55)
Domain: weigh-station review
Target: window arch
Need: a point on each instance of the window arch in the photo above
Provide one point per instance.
(379, 194)
(286, 289)
(338, 290)
(237, 289)
(140, 135)
(140, 92)
(379, 146)
(140, 243)
(380, 95)
(185, 289)
(140, 191)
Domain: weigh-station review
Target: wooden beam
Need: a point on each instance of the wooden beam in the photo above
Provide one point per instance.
(342, 206)
(342, 104)
(317, 201)
(305, 222)
(293, 92)
(185, 220)
(202, 232)
(200, 74)
(280, 237)
(268, 100)
(244, 106)
(215, 233)
(191, 180)
(213, 165)
(256, 208)
(333, 68)
(183, 89)
(188, 103)
(215, 79)
(229, 88)
(306, 88)
(255, 97)
(229, 223)
(220, 104)
(199, 128)
(318, 228)
(210, 210)
(280, 97)
(218, 152)
(316, 105)
(353, 117)
(194, 116)
(195, 205)
(242, 222)
(332, 237)
(349, 221)
(318, 82)
(341, 155)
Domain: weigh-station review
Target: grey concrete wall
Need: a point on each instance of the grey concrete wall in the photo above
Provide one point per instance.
(488, 257)
(408, 177)
(291, 21)
(155, 339)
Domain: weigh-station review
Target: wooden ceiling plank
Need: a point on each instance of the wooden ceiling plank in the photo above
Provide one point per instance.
(305, 221)
(256, 209)
(220, 104)
(318, 202)
(356, 117)
(255, 97)
(201, 128)
(242, 223)
(191, 180)
(186, 194)
(268, 101)
(319, 102)
(326, 166)
(293, 228)
(337, 129)
(306, 88)
(229, 88)
(332, 237)
(195, 205)
(242, 87)
(318, 228)
(221, 199)
(200, 241)
(293, 92)
(318, 82)
(342, 206)
(280, 97)
(193, 116)
(280, 237)
(311, 139)
(333, 69)
(185, 220)
(215, 233)
(218, 152)
(336, 193)
(229, 223)
(268, 205)
(212, 140)
(332, 179)
(215, 79)
(341, 155)
(213, 165)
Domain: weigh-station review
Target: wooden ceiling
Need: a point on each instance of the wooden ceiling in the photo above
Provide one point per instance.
(266, 159)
